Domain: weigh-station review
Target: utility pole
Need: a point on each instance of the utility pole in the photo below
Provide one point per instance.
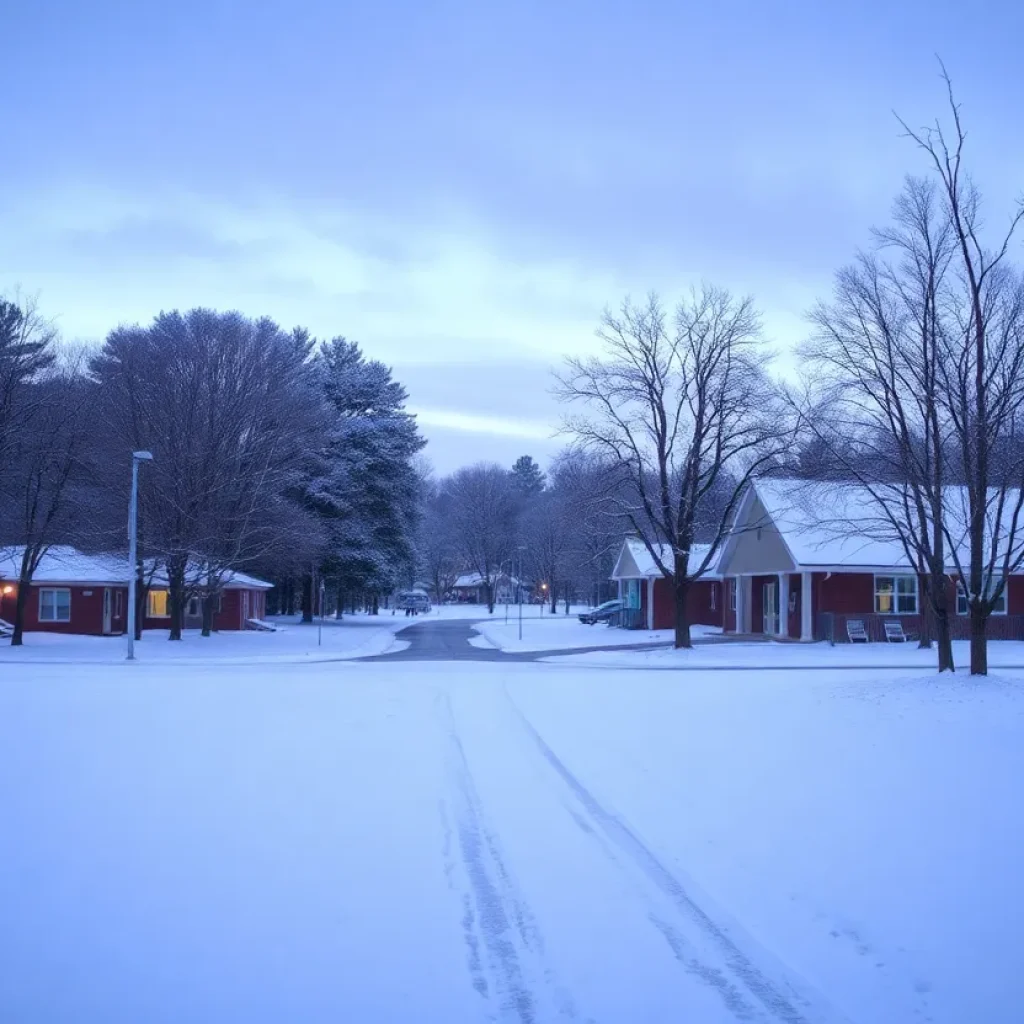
(133, 553)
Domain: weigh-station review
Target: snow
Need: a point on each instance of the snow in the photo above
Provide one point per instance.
(735, 654)
(354, 636)
(62, 564)
(561, 632)
(480, 842)
(644, 565)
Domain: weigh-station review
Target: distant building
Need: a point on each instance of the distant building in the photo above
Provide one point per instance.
(72, 592)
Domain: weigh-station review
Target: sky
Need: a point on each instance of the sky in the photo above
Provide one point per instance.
(463, 187)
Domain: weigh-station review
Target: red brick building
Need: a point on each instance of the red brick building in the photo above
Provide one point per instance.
(72, 592)
(649, 597)
(794, 568)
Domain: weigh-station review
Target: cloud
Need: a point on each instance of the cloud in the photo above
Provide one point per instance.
(475, 423)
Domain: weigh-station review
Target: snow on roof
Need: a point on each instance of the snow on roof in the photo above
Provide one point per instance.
(63, 564)
(647, 567)
(829, 524)
(474, 579)
(824, 523)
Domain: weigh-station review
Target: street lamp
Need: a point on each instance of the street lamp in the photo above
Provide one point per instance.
(133, 529)
(519, 588)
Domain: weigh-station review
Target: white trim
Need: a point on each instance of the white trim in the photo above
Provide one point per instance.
(962, 590)
(54, 590)
(784, 605)
(650, 603)
(806, 611)
(894, 576)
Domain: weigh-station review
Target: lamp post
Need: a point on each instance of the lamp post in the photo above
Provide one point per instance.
(133, 530)
(519, 588)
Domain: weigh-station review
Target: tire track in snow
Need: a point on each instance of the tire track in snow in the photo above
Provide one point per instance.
(739, 971)
(497, 924)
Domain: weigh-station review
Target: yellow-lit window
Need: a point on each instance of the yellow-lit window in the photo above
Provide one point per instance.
(157, 607)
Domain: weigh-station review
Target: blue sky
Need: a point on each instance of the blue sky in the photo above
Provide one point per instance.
(463, 186)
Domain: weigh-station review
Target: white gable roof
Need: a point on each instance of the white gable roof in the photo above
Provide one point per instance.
(62, 564)
(65, 564)
(635, 560)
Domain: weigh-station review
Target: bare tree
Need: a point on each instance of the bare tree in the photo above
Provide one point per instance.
(484, 507)
(26, 350)
(438, 548)
(228, 409)
(984, 382)
(40, 503)
(876, 399)
(688, 413)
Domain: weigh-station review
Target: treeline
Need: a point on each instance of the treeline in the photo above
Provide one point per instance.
(274, 453)
(558, 531)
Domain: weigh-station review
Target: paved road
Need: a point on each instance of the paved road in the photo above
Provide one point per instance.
(449, 640)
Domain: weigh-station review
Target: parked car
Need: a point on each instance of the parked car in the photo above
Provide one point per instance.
(602, 613)
(414, 600)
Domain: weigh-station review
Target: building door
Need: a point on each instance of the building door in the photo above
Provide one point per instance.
(107, 610)
(771, 608)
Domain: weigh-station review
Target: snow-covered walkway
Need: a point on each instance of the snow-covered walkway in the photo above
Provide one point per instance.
(524, 843)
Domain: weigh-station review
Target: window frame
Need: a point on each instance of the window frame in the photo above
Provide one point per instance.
(895, 594)
(961, 595)
(54, 590)
(166, 613)
(714, 602)
(734, 586)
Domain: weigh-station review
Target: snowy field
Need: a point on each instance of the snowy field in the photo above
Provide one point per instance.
(354, 636)
(527, 843)
(1002, 654)
(561, 632)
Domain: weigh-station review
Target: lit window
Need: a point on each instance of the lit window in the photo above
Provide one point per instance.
(999, 608)
(54, 605)
(896, 595)
(157, 607)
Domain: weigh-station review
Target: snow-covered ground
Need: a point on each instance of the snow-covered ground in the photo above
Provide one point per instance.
(1002, 654)
(479, 842)
(561, 632)
(354, 636)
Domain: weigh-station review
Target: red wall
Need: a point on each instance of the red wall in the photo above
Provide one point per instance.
(698, 603)
(86, 610)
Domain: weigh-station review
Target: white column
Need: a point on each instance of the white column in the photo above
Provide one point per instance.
(784, 604)
(740, 610)
(650, 603)
(806, 611)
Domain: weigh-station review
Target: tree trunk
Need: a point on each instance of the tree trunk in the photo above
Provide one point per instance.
(339, 603)
(207, 615)
(554, 598)
(568, 598)
(176, 599)
(489, 597)
(307, 598)
(924, 640)
(141, 596)
(979, 641)
(682, 591)
(19, 615)
(945, 640)
(376, 606)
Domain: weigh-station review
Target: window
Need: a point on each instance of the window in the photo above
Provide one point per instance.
(54, 605)
(193, 606)
(632, 593)
(896, 595)
(734, 585)
(156, 605)
(999, 608)
(118, 604)
(713, 598)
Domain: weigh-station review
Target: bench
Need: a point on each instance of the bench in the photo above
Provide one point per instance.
(894, 632)
(855, 631)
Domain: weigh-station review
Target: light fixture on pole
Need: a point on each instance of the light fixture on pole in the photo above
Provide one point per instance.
(133, 530)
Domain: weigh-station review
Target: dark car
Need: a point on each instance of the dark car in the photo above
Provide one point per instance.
(602, 613)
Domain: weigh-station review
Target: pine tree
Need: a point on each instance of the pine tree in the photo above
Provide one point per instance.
(527, 477)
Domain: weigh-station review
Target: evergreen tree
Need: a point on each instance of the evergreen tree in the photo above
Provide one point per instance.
(527, 477)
